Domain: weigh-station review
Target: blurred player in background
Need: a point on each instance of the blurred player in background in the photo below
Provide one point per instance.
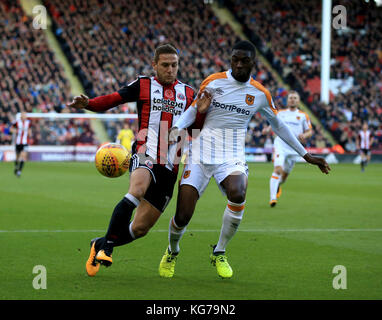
(126, 136)
(364, 142)
(21, 128)
(160, 102)
(233, 98)
(284, 157)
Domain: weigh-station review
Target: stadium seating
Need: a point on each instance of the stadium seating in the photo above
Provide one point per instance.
(31, 79)
(109, 44)
(115, 45)
(289, 35)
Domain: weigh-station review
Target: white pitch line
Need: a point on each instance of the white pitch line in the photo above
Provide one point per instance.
(204, 230)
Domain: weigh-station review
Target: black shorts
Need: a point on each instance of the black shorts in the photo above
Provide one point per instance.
(21, 147)
(160, 190)
(366, 152)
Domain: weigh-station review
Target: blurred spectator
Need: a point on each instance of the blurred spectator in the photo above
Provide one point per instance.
(62, 132)
(31, 80)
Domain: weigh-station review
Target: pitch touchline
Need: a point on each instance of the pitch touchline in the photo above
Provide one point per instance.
(205, 230)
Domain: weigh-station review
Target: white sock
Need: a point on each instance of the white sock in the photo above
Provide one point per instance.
(131, 230)
(274, 185)
(233, 214)
(132, 199)
(175, 233)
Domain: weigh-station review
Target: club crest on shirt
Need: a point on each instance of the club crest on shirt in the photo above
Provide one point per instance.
(186, 174)
(149, 164)
(168, 94)
(181, 96)
(298, 117)
(249, 100)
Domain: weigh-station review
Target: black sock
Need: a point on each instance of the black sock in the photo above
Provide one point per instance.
(21, 165)
(362, 164)
(118, 232)
(16, 165)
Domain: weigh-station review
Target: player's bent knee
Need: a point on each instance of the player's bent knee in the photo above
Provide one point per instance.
(138, 191)
(278, 170)
(140, 231)
(182, 219)
(237, 195)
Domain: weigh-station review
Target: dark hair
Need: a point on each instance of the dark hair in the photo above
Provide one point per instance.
(163, 49)
(246, 46)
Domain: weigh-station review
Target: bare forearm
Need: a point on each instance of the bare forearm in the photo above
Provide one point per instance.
(307, 134)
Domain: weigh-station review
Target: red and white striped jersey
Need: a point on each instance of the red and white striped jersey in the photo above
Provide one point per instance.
(159, 107)
(22, 131)
(364, 138)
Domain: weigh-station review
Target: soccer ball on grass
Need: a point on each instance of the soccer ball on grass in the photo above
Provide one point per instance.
(112, 160)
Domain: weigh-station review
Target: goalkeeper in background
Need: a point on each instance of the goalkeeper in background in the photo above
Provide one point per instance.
(126, 136)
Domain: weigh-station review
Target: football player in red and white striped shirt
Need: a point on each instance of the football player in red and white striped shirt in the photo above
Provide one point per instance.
(21, 128)
(364, 143)
(160, 102)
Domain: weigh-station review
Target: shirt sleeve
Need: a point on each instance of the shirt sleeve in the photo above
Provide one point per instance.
(187, 118)
(307, 124)
(130, 92)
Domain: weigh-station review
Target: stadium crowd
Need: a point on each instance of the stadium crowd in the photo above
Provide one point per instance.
(289, 35)
(116, 43)
(109, 43)
(31, 79)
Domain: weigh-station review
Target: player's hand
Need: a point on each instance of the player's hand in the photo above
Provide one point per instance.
(301, 138)
(79, 102)
(173, 135)
(265, 131)
(318, 161)
(203, 100)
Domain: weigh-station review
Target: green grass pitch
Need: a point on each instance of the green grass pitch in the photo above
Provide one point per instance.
(48, 216)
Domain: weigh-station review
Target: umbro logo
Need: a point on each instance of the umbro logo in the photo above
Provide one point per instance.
(219, 91)
(157, 91)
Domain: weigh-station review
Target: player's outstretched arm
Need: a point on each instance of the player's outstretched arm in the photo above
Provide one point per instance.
(97, 104)
(318, 161)
(79, 102)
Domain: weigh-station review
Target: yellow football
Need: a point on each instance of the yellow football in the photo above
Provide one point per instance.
(112, 160)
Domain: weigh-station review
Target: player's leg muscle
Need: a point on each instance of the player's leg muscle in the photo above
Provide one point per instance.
(140, 180)
(145, 217)
(284, 176)
(279, 170)
(186, 203)
(235, 186)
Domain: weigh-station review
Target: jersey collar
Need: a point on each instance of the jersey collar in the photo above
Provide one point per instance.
(172, 85)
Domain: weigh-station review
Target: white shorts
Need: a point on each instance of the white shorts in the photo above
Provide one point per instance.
(284, 160)
(198, 175)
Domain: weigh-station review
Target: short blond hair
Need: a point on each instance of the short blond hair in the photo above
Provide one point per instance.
(294, 92)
